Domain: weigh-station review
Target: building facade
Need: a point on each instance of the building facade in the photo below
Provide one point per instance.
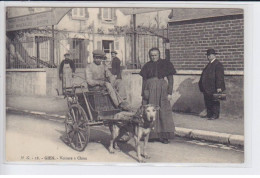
(79, 32)
(33, 55)
(191, 33)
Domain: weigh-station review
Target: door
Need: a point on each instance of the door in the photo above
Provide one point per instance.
(108, 46)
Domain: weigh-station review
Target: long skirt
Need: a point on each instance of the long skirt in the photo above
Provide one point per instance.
(156, 93)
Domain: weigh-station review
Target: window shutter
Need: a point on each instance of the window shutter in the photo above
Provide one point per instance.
(117, 45)
(81, 12)
(75, 12)
(114, 17)
(100, 14)
(86, 13)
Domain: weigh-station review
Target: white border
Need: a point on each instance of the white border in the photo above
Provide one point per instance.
(252, 81)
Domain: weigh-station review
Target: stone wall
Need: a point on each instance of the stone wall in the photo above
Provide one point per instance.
(26, 82)
(186, 97)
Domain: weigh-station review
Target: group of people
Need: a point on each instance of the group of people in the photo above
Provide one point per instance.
(155, 88)
(98, 77)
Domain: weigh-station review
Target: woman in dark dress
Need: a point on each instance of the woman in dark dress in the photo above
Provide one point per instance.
(156, 90)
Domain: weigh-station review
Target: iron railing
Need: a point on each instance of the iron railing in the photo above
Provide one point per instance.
(144, 42)
(35, 51)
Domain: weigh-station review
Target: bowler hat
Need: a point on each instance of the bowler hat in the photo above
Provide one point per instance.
(113, 52)
(67, 54)
(98, 53)
(211, 51)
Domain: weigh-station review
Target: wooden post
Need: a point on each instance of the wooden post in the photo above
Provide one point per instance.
(52, 50)
(158, 46)
(38, 52)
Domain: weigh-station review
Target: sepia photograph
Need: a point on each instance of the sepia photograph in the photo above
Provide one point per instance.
(124, 85)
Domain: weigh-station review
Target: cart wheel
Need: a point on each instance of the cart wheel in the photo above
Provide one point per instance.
(77, 128)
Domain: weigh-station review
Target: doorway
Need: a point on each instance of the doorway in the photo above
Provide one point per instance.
(108, 46)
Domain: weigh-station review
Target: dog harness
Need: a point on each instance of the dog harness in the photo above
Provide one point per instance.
(141, 122)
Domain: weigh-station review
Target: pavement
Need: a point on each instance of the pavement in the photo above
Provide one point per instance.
(223, 130)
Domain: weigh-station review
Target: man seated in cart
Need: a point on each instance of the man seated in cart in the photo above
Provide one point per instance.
(98, 77)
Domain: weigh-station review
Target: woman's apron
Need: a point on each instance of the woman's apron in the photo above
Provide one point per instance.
(66, 76)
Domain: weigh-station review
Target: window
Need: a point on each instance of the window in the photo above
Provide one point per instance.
(78, 13)
(43, 48)
(78, 52)
(107, 14)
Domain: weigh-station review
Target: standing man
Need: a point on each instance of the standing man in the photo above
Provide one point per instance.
(212, 81)
(116, 71)
(66, 70)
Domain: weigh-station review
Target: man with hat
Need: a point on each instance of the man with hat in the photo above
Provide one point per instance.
(212, 81)
(116, 65)
(99, 76)
(66, 70)
(116, 71)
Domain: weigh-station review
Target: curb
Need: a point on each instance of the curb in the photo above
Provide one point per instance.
(237, 140)
(56, 117)
(218, 137)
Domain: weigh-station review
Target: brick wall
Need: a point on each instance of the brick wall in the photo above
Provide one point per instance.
(189, 41)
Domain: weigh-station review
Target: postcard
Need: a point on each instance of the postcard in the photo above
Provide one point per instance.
(123, 84)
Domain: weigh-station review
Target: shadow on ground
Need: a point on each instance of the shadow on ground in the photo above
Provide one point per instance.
(99, 136)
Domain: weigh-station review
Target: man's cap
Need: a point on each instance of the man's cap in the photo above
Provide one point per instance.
(67, 54)
(99, 53)
(113, 52)
(211, 51)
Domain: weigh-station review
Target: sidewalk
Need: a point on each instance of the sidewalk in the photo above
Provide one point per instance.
(223, 130)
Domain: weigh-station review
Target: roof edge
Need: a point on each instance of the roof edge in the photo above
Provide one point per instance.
(207, 17)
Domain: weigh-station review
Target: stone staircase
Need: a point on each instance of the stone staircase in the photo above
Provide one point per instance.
(21, 58)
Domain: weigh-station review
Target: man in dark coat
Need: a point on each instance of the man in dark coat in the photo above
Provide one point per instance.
(212, 81)
(116, 70)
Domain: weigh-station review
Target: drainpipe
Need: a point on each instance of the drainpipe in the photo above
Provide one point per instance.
(134, 23)
(93, 42)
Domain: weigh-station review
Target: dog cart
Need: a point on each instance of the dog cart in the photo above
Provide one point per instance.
(86, 108)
